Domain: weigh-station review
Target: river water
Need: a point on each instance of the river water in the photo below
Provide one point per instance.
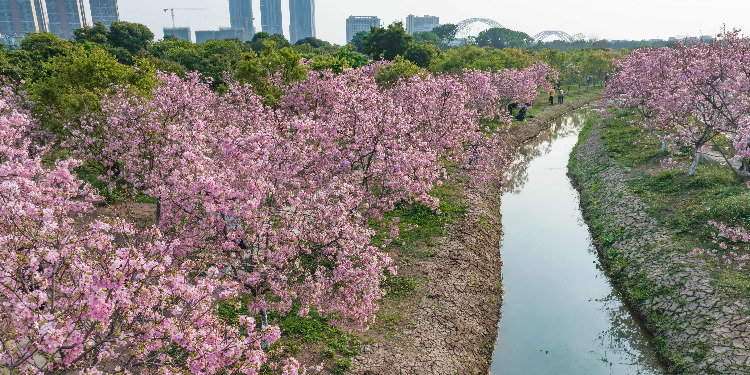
(560, 313)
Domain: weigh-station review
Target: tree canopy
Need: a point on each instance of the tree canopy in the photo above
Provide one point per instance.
(503, 38)
(389, 42)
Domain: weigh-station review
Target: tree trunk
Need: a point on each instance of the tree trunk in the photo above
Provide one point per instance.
(664, 145)
(263, 325)
(693, 166)
(158, 210)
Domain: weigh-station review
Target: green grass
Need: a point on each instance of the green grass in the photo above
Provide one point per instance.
(682, 204)
(429, 224)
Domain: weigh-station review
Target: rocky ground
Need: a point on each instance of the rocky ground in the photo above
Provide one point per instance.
(452, 326)
(698, 329)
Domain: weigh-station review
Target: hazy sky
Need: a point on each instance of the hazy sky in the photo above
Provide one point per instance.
(627, 19)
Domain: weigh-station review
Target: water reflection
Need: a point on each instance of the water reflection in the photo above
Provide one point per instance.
(627, 337)
(560, 314)
(517, 174)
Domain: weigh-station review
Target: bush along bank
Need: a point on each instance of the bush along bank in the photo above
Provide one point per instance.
(644, 220)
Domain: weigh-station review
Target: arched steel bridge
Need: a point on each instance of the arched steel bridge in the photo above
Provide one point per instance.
(560, 34)
(464, 25)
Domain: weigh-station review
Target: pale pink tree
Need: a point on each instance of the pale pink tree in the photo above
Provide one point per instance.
(86, 295)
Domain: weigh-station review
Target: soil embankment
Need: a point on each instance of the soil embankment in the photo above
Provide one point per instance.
(451, 327)
(698, 329)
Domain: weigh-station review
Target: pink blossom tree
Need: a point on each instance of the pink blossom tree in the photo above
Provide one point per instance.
(103, 296)
(694, 93)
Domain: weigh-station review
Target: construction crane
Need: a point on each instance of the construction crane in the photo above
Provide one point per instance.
(171, 10)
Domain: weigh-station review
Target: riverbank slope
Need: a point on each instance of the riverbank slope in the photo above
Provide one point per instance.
(700, 327)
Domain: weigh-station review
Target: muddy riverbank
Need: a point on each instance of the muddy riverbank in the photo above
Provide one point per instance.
(698, 329)
(450, 327)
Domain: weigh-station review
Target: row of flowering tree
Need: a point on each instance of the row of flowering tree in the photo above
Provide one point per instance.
(691, 94)
(264, 207)
(694, 96)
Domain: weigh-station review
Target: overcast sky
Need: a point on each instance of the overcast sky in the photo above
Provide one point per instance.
(605, 19)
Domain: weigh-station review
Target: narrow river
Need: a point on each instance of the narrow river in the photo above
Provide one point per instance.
(560, 313)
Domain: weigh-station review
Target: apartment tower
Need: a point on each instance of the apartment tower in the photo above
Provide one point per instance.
(104, 11)
(65, 16)
(241, 17)
(18, 17)
(302, 23)
(270, 17)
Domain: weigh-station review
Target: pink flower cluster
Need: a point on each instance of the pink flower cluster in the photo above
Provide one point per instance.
(670, 164)
(733, 246)
(691, 94)
(275, 205)
(102, 295)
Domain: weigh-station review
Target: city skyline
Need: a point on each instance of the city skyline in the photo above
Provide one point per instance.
(593, 19)
(639, 20)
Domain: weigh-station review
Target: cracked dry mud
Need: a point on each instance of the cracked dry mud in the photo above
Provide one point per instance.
(453, 329)
(706, 331)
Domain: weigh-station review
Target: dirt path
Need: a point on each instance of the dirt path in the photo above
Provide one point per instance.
(452, 327)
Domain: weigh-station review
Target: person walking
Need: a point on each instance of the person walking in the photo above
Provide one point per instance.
(560, 96)
(551, 97)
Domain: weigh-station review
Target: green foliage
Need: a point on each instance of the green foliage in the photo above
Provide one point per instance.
(399, 287)
(503, 38)
(211, 58)
(389, 43)
(129, 41)
(446, 33)
(313, 42)
(401, 68)
(76, 83)
(91, 34)
(44, 46)
(257, 70)
(357, 39)
(473, 57)
(344, 58)
(427, 36)
(263, 40)
(422, 54)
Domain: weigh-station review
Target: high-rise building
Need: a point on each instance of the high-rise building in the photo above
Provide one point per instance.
(183, 33)
(65, 16)
(270, 17)
(302, 23)
(241, 17)
(416, 24)
(355, 24)
(104, 11)
(221, 34)
(18, 17)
